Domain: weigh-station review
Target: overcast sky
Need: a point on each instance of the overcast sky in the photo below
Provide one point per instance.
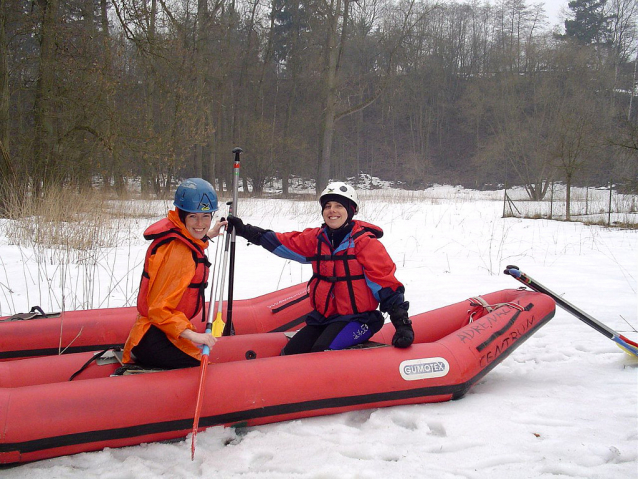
(553, 9)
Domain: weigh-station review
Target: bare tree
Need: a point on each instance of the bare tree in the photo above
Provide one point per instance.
(582, 112)
(44, 165)
(6, 168)
(4, 79)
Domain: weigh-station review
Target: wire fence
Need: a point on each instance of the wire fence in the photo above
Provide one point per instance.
(600, 206)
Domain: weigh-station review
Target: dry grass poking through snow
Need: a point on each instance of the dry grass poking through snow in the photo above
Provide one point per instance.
(67, 246)
(64, 218)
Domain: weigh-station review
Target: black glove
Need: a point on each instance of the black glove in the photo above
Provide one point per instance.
(251, 233)
(404, 335)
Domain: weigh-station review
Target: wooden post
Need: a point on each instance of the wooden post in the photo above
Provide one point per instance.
(609, 210)
(551, 203)
(504, 199)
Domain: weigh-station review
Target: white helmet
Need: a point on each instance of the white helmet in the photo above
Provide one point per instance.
(339, 188)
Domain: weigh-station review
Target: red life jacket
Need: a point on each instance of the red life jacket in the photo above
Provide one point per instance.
(164, 232)
(338, 285)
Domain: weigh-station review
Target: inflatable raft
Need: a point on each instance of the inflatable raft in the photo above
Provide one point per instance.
(43, 414)
(38, 334)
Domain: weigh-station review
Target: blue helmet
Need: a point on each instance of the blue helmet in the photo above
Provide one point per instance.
(195, 195)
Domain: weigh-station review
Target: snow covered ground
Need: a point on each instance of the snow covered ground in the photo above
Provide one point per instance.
(563, 405)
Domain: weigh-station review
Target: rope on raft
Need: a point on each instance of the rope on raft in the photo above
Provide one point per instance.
(477, 301)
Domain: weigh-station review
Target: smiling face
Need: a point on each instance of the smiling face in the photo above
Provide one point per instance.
(198, 224)
(334, 215)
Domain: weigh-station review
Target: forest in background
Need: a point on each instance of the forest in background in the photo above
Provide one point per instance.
(414, 92)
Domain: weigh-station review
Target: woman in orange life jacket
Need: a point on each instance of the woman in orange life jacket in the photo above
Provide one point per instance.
(352, 276)
(173, 282)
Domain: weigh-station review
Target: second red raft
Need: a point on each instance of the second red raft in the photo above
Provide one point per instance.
(98, 329)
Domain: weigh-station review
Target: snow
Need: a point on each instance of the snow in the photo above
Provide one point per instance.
(563, 405)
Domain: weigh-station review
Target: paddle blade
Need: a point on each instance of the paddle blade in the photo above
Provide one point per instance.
(218, 325)
(627, 345)
(630, 347)
(198, 405)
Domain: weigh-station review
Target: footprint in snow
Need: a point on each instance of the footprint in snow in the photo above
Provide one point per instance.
(261, 458)
(358, 418)
(406, 422)
(437, 429)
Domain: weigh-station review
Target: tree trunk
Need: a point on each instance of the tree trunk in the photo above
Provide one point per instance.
(4, 79)
(332, 54)
(200, 65)
(568, 196)
(7, 174)
(43, 167)
(149, 177)
(113, 157)
(294, 61)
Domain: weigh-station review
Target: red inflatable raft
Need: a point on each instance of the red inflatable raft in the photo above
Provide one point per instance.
(97, 329)
(43, 414)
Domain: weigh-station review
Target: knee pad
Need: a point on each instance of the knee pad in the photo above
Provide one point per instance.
(354, 333)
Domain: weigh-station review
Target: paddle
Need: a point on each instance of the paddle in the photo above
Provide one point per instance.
(205, 348)
(218, 324)
(200, 397)
(625, 344)
(228, 329)
(215, 328)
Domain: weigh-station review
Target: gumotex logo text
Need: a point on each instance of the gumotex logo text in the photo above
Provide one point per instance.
(425, 368)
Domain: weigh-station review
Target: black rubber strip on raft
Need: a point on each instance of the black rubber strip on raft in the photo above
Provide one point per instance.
(29, 353)
(292, 302)
(289, 325)
(501, 331)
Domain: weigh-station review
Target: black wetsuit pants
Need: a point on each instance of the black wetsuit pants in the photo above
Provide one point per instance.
(155, 350)
(337, 335)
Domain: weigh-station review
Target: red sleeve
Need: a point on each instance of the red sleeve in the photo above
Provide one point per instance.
(377, 264)
(303, 243)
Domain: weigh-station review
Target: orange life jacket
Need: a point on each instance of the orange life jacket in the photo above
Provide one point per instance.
(193, 299)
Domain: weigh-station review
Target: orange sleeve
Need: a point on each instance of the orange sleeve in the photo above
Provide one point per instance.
(171, 270)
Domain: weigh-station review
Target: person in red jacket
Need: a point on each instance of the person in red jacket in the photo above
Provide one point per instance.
(173, 282)
(353, 275)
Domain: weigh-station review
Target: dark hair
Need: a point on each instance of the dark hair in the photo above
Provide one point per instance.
(342, 200)
(182, 215)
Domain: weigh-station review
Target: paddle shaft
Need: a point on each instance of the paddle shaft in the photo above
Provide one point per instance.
(206, 349)
(628, 345)
(198, 404)
(205, 352)
(218, 324)
(228, 329)
(209, 323)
